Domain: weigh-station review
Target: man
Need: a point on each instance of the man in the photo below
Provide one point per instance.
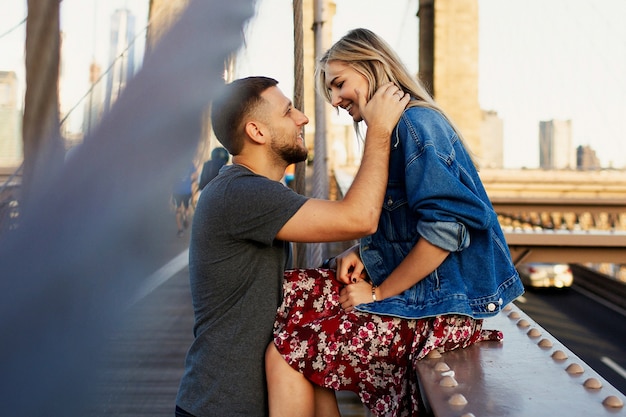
(181, 195)
(244, 221)
(210, 169)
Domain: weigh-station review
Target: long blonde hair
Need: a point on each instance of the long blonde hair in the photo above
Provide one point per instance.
(372, 57)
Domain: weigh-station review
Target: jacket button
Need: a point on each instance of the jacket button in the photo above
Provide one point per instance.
(389, 201)
(491, 306)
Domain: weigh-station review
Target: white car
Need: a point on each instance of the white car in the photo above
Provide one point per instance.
(546, 275)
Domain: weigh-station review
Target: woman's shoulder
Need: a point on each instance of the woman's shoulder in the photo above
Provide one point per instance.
(423, 112)
(425, 118)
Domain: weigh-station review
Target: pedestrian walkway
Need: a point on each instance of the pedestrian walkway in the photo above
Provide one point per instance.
(146, 355)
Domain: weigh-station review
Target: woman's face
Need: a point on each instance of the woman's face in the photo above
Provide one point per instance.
(342, 81)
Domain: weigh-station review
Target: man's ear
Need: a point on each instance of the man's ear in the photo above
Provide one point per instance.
(255, 132)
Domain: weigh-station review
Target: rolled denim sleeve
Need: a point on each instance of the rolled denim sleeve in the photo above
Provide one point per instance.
(444, 193)
(450, 236)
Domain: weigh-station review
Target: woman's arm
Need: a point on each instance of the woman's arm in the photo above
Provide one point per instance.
(423, 259)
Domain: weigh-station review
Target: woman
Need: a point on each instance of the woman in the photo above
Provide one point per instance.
(437, 265)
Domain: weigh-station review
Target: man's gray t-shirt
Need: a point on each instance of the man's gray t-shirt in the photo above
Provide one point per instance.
(236, 270)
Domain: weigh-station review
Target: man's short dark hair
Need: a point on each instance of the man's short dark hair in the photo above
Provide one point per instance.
(229, 109)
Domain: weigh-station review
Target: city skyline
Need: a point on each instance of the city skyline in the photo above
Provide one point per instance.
(85, 27)
(538, 60)
(121, 61)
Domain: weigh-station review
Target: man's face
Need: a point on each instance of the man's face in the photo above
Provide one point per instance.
(285, 125)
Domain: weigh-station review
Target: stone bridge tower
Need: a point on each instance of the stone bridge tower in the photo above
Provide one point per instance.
(448, 61)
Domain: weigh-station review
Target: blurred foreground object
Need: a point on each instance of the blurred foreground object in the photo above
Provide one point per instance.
(75, 261)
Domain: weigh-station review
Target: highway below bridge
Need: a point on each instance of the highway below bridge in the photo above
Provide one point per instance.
(591, 327)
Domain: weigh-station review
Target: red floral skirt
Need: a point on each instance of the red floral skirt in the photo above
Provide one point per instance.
(371, 355)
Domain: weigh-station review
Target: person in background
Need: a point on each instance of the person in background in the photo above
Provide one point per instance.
(210, 169)
(290, 175)
(244, 221)
(437, 264)
(181, 196)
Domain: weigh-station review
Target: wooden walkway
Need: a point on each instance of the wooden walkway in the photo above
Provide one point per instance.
(145, 362)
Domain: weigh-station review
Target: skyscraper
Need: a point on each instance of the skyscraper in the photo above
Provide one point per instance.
(556, 150)
(448, 52)
(121, 55)
(93, 105)
(586, 158)
(491, 140)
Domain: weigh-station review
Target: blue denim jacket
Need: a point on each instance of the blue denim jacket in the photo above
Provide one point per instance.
(435, 193)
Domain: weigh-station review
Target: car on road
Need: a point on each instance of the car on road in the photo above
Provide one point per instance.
(546, 275)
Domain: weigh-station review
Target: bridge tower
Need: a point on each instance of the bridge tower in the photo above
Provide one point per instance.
(448, 61)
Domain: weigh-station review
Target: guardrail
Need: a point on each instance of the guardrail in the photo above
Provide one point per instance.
(564, 230)
(603, 286)
(577, 205)
(9, 197)
(551, 233)
(529, 373)
(565, 246)
(9, 207)
(592, 223)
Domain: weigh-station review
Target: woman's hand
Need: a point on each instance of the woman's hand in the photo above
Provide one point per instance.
(350, 269)
(354, 294)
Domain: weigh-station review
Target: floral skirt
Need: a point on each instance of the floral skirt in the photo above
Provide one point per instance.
(371, 355)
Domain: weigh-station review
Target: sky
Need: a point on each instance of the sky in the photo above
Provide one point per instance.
(538, 59)
(85, 25)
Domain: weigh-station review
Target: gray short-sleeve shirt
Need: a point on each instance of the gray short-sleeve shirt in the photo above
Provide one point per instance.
(236, 269)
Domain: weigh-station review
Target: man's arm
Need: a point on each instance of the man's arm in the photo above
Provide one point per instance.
(357, 214)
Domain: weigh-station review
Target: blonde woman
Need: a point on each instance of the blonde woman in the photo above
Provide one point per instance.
(436, 266)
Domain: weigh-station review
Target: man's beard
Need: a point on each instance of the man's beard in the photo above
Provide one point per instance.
(294, 155)
(291, 154)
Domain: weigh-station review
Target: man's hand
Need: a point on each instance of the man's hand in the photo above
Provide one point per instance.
(383, 111)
